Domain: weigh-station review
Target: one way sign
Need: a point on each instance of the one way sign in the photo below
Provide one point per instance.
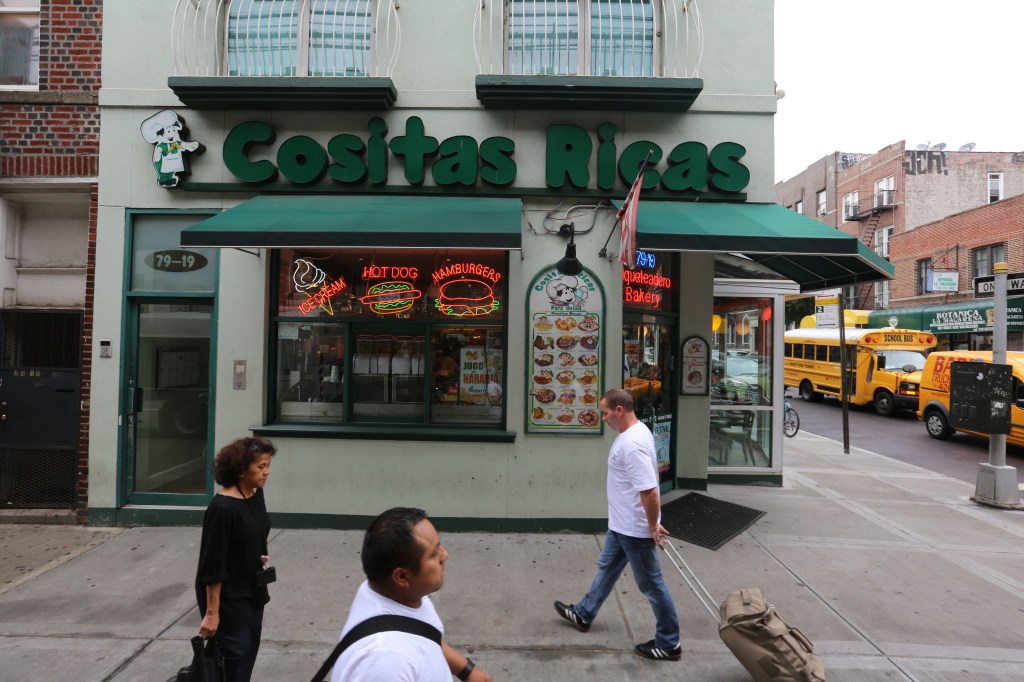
(986, 286)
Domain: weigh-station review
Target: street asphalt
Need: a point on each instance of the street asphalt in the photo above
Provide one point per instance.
(889, 569)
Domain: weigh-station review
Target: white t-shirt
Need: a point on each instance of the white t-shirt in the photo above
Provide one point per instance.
(632, 467)
(390, 656)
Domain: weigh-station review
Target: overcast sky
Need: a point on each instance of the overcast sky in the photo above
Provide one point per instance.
(862, 74)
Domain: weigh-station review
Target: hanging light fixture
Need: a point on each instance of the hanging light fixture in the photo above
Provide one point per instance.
(569, 264)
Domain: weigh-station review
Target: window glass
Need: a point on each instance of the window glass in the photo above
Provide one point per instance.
(809, 351)
(552, 37)
(399, 336)
(821, 353)
(392, 284)
(19, 43)
(621, 38)
(310, 371)
(788, 350)
(743, 358)
(833, 353)
(543, 37)
(159, 264)
(292, 38)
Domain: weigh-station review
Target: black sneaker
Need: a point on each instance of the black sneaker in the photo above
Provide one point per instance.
(648, 650)
(568, 611)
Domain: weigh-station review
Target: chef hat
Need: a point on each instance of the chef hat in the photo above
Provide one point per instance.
(152, 126)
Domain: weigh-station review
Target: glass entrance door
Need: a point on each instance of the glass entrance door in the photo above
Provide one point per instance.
(647, 374)
(167, 401)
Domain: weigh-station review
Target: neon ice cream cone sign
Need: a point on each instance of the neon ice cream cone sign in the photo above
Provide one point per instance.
(312, 282)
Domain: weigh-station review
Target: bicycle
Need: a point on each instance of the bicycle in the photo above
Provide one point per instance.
(791, 420)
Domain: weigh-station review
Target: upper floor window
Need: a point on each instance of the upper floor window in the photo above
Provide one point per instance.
(885, 191)
(985, 256)
(297, 38)
(19, 43)
(851, 202)
(581, 37)
(798, 207)
(924, 266)
(995, 187)
(822, 210)
(882, 237)
(882, 294)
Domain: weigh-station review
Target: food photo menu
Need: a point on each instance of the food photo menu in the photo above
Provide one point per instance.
(565, 329)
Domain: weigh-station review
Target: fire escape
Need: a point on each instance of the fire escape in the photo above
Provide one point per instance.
(882, 202)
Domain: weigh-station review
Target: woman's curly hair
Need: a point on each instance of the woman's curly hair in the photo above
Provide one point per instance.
(235, 457)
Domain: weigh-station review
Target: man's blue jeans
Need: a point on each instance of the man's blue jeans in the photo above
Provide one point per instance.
(642, 556)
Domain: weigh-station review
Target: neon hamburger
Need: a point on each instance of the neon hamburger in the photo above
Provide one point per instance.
(390, 298)
(465, 298)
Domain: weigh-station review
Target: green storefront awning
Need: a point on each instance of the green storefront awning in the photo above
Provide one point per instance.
(951, 318)
(272, 221)
(811, 254)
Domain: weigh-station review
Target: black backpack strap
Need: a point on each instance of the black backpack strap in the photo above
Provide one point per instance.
(372, 626)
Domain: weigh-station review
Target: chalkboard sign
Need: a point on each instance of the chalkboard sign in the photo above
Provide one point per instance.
(980, 397)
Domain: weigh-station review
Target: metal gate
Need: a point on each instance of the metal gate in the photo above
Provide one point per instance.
(40, 406)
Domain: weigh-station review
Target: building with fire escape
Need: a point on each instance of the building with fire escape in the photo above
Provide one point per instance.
(942, 218)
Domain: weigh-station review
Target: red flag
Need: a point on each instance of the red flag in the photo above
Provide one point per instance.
(627, 222)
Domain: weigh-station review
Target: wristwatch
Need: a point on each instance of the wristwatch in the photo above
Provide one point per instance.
(464, 673)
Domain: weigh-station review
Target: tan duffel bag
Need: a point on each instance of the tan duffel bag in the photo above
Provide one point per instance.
(769, 648)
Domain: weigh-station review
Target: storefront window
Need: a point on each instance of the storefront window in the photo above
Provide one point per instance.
(741, 382)
(390, 335)
(651, 285)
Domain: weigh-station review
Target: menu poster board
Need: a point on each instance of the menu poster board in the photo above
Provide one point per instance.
(565, 330)
(696, 372)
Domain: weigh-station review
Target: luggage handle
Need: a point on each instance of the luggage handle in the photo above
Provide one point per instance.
(703, 596)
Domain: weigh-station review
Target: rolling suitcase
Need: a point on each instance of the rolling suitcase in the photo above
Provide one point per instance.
(768, 647)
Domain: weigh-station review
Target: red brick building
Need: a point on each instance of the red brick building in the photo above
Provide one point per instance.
(885, 197)
(49, 157)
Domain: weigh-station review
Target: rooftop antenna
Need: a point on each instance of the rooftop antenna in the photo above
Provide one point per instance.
(923, 147)
(937, 147)
(968, 147)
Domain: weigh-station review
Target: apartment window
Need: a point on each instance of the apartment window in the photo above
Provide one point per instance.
(924, 266)
(297, 38)
(389, 336)
(881, 295)
(985, 256)
(882, 237)
(19, 44)
(822, 203)
(850, 203)
(885, 191)
(581, 37)
(995, 187)
(798, 207)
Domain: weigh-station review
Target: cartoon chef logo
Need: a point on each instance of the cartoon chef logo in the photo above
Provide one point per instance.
(164, 131)
(565, 290)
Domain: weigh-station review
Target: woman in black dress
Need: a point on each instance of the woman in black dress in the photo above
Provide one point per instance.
(231, 582)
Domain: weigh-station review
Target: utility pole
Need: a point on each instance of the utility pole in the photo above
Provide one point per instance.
(997, 483)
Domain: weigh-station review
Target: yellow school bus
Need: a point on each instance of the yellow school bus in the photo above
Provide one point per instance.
(884, 365)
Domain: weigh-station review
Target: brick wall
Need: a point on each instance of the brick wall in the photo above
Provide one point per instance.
(949, 243)
(54, 132)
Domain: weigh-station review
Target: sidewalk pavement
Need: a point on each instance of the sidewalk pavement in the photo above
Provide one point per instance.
(889, 569)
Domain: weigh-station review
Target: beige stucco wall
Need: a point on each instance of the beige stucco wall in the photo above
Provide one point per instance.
(537, 475)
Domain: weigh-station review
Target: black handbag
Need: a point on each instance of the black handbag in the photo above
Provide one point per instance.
(207, 663)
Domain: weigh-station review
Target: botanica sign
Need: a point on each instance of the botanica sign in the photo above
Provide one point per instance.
(570, 154)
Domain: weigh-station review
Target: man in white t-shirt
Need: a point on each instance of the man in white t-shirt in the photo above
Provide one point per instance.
(404, 562)
(634, 531)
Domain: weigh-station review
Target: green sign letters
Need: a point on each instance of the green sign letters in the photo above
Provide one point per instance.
(570, 154)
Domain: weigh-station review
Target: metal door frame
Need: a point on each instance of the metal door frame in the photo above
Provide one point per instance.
(126, 434)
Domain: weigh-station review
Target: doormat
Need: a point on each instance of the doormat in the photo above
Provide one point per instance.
(705, 521)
